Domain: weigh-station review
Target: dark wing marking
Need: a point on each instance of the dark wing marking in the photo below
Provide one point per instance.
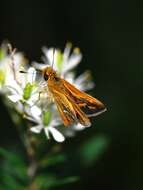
(89, 105)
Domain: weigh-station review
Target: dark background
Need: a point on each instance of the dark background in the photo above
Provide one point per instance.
(110, 36)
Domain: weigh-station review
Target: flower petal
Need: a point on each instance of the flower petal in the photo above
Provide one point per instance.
(66, 52)
(14, 98)
(13, 86)
(31, 75)
(79, 127)
(83, 81)
(36, 112)
(56, 134)
(46, 129)
(69, 132)
(39, 66)
(49, 55)
(73, 61)
(36, 129)
(70, 76)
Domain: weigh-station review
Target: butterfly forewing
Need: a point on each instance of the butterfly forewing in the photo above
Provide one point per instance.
(89, 105)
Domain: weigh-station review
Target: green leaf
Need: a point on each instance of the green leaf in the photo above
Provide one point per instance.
(13, 164)
(8, 182)
(67, 180)
(9, 155)
(93, 148)
(52, 160)
(45, 182)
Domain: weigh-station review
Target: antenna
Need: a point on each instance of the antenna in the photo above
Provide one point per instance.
(54, 50)
(25, 72)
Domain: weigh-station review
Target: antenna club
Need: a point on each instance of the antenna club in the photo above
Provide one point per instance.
(76, 50)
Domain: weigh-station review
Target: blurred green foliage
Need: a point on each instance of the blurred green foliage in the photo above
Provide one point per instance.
(92, 149)
(14, 173)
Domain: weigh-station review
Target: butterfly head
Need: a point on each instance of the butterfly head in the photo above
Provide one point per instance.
(49, 73)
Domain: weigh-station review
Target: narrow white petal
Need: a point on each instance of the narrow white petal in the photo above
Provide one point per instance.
(83, 82)
(33, 99)
(72, 62)
(22, 78)
(56, 134)
(36, 129)
(36, 112)
(55, 120)
(30, 102)
(85, 86)
(31, 75)
(67, 52)
(13, 86)
(18, 61)
(14, 98)
(89, 86)
(70, 77)
(9, 77)
(49, 55)
(30, 118)
(69, 131)
(12, 90)
(79, 127)
(19, 107)
(39, 66)
(46, 129)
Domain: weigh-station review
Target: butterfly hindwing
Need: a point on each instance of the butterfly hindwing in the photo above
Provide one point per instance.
(69, 111)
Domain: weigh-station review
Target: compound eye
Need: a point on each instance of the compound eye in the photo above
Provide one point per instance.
(46, 77)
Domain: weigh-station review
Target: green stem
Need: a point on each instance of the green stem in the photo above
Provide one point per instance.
(26, 139)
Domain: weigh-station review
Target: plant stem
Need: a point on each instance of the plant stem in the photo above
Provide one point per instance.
(33, 164)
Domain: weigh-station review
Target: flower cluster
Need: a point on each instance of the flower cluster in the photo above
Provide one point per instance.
(22, 85)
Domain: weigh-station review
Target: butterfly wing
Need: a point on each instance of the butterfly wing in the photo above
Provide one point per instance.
(69, 111)
(89, 105)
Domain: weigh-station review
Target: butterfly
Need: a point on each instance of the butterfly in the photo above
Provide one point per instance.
(73, 105)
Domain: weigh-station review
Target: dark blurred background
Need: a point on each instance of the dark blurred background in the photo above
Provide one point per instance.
(110, 36)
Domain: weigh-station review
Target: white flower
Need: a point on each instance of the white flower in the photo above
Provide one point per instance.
(9, 70)
(63, 63)
(24, 90)
(47, 121)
